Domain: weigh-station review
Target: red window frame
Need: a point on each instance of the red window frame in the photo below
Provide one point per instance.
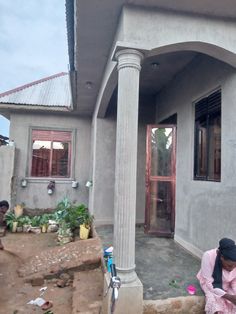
(50, 154)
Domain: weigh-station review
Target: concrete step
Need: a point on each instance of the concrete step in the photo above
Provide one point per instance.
(88, 292)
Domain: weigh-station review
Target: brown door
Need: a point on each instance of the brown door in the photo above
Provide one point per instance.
(160, 180)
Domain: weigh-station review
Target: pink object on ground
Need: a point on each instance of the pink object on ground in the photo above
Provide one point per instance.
(191, 289)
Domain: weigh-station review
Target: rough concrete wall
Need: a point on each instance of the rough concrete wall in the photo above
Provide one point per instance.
(35, 194)
(146, 116)
(104, 171)
(163, 31)
(7, 166)
(102, 192)
(205, 211)
(146, 29)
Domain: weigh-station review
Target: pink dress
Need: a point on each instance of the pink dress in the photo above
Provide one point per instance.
(214, 300)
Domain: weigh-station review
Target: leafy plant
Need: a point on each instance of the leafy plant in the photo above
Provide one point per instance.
(35, 221)
(23, 220)
(88, 219)
(44, 219)
(10, 217)
(64, 230)
(69, 213)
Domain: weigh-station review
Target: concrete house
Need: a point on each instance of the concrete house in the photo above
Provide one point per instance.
(152, 118)
(158, 80)
(44, 144)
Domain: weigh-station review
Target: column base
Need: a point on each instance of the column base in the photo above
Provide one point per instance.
(130, 297)
(126, 275)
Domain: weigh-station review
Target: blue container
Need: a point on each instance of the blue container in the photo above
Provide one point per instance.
(109, 263)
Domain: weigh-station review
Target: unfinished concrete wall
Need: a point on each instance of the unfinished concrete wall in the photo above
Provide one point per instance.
(35, 195)
(7, 167)
(104, 146)
(104, 171)
(202, 208)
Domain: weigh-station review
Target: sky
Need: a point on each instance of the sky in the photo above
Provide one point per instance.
(33, 43)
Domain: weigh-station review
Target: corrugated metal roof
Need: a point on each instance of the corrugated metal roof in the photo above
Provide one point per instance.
(50, 91)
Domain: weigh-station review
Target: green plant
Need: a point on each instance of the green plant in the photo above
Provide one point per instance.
(24, 220)
(10, 217)
(44, 219)
(63, 204)
(88, 219)
(69, 213)
(35, 221)
(64, 230)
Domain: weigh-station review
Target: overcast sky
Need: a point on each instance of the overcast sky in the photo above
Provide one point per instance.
(33, 43)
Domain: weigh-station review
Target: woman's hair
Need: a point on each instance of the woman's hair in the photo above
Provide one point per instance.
(4, 203)
(227, 249)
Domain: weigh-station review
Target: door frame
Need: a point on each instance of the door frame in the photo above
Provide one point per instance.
(171, 179)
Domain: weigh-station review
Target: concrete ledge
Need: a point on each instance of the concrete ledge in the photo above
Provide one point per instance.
(181, 305)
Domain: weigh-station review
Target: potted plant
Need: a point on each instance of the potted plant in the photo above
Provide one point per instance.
(44, 222)
(11, 221)
(20, 222)
(35, 224)
(64, 232)
(85, 227)
(26, 223)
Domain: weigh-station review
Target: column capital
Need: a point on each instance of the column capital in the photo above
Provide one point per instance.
(129, 58)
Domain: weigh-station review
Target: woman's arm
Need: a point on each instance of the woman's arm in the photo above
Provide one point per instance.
(206, 272)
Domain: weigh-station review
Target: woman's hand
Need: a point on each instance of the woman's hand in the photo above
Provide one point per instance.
(231, 298)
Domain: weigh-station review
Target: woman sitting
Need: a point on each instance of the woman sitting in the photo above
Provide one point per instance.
(217, 278)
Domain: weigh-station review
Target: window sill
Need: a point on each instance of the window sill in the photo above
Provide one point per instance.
(46, 180)
(205, 180)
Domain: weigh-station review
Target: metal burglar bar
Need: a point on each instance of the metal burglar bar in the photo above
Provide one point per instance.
(207, 148)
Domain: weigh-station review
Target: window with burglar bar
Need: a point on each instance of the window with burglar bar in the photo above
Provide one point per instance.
(51, 153)
(207, 150)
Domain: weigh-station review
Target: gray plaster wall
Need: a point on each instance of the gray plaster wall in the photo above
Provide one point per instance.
(102, 192)
(104, 171)
(35, 194)
(156, 31)
(160, 31)
(7, 166)
(205, 211)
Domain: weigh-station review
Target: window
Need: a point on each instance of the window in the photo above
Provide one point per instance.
(51, 153)
(207, 153)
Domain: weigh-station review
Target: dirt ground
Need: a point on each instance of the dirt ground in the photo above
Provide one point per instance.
(14, 292)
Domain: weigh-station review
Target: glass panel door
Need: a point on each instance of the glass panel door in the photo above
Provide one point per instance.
(160, 180)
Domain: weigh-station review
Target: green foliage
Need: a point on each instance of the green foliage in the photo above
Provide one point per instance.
(35, 221)
(88, 218)
(72, 214)
(23, 220)
(64, 230)
(44, 219)
(10, 218)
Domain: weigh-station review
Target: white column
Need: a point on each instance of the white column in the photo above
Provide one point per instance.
(128, 66)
